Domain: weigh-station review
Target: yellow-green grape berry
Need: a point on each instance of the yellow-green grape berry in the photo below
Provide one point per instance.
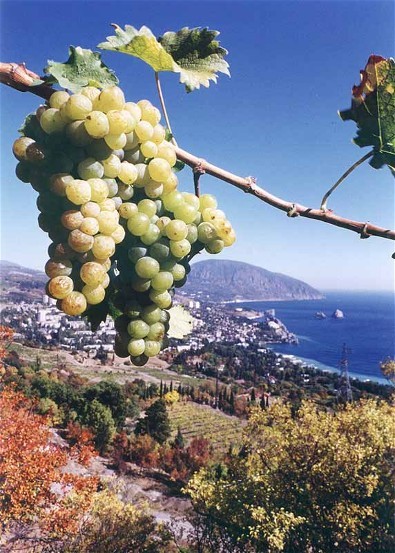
(152, 348)
(51, 121)
(103, 246)
(119, 234)
(136, 347)
(215, 246)
(58, 98)
(108, 205)
(116, 141)
(159, 169)
(90, 226)
(127, 173)
(111, 166)
(144, 131)
(108, 221)
(74, 304)
(99, 190)
(134, 110)
(90, 209)
(72, 219)
(78, 191)
(149, 149)
(159, 134)
(118, 121)
(127, 209)
(92, 273)
(97, 125)
(90, 92)
(94, 294)
(90, 168)
(58, 183)
(60, 287)
(79, 241)
(161, 299)
(58, 268)
(78, 106)
(166, 151)
(110, 98)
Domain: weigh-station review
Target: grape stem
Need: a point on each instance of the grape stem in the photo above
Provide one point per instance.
(343, 177)
(163, 105)
(20, 78)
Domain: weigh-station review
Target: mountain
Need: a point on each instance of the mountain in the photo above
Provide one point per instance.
(19, 283)
(223, 280)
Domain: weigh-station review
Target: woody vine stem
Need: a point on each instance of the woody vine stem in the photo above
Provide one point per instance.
(20, 78)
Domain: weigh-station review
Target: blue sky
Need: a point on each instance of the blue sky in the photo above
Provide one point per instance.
(292, 67)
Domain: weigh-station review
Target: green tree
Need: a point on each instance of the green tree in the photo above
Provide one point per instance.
(156, 422)
(111, 395)
(179, 441)
(99, 418)
(312, 482)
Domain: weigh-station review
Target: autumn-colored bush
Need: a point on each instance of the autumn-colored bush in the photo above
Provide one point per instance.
(34, 485)
(181, 462)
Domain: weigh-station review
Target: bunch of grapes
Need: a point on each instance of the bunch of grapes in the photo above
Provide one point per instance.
(110, 203)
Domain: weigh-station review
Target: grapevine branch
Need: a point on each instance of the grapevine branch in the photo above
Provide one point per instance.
(20, 78)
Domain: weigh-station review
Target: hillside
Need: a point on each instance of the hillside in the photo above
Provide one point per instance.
(223, 280)
(19, 283)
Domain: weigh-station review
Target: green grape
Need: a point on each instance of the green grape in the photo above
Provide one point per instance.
(58, 98)
(139, 360)
(207, 200)
(119, 234)
(74, 304)
(141, 284)
(92, 273)
(89, 168)
(191, 199)
(162, 223)
(229, 238)
(136, 252)
(185, 212)
(151, 314)
(121, 344)
(138, 329)
(192, 235)
(166, 151)
(127, 209)
(72, 219)
(78, 191)
(144, 131)
(134, 156)
(118, 121)
(152, 348)
(112, 187)
(78, 106)
(89, 225)
(161, 299)
(111, 166)
(108, 221)
(94, 294)
(110, 98)
(90, 209)
(134, 110)
(172, 200)
(103, 246)
(156, 332)
(170, 184)
(79, 241)
(206, 233)
(159, 134)
(149, 149)
(138, 224)
(115, 141)
(91, 92)
(97, 125)
(131, 121)
(99, 189)
(159, 169)
(51, 121)
(162, 281)
(148, 207)
(54, 268)
(127, 173)
(176, 230)
(125, 192)
(178, 272)
(180, 248)
(151, 236)
(143, 177)
(153, 190)
(107, 205)
(215, 246)
(160, 250)
(147, 267)
(132, 141)
(60, 287)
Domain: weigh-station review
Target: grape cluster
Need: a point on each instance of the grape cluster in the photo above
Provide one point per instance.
(110, 203)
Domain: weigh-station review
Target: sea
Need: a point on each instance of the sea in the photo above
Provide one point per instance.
(367, 330)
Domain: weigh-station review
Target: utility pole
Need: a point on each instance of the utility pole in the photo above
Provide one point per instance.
(344, 393)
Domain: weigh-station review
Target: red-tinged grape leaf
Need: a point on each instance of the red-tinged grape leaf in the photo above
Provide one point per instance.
(142, 44)
(83, 68)
(373, 110)
(193, 53)
(198, 55)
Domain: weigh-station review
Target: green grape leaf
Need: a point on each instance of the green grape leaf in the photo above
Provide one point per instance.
(181, 322)
(373, 110)
(193, 53)
(198, 55)
(141, 44)
(83, 68)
